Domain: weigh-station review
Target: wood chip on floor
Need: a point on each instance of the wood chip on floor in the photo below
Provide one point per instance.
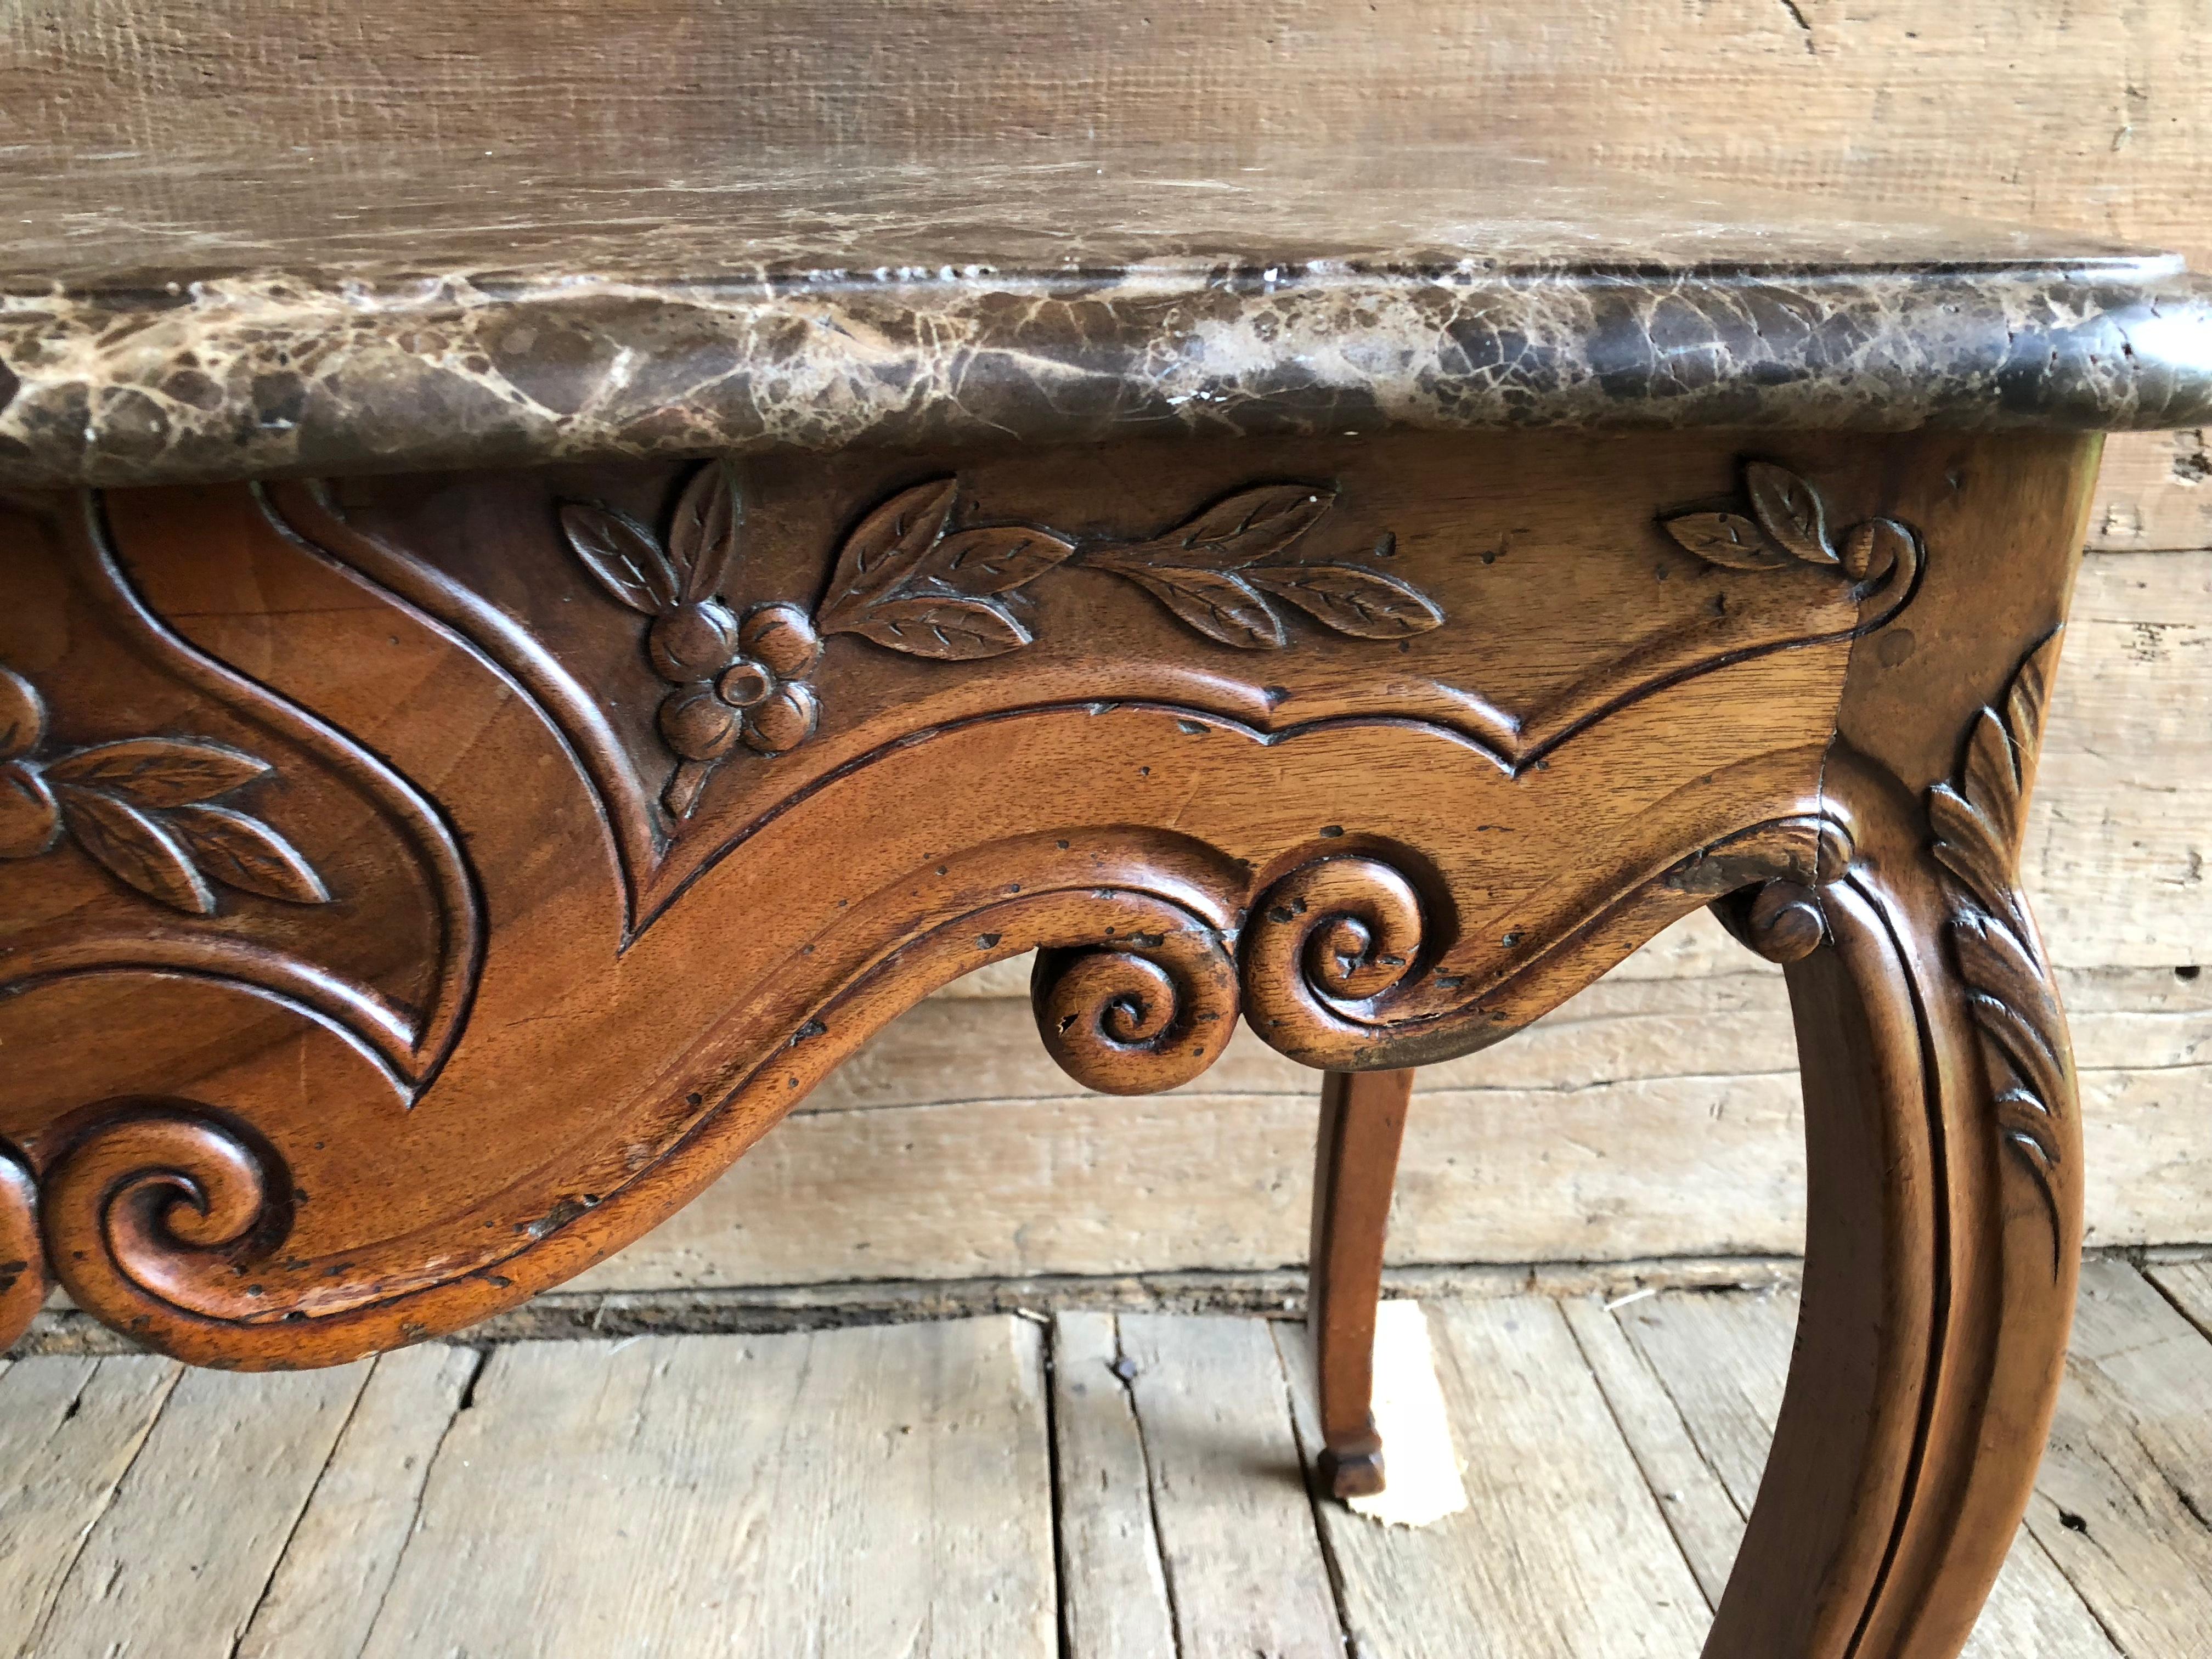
(1111, 1486)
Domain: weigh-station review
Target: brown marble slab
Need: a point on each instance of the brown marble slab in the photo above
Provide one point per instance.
(231, 316)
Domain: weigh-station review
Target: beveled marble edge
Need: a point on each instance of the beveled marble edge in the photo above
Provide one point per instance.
(279, 375)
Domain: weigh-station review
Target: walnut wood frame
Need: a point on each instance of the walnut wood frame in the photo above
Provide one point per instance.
(415, 889)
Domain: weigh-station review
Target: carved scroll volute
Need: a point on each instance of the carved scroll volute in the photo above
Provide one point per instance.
(155, 1205)
(1326, 946)
(22, 1255)
(1146, 1011)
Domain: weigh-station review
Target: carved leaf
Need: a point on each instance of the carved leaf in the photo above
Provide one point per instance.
(1351, 598)
(158, 771)
(884, 547)
(1219, 605)
(1970, 846)
(1991, 779)
(2025, 701)
(703, 532)
(623, 554)
(947, 627)
(1725, 538)
(1250, 525)
(1789, 511)
(990, 559)
(134, 849)
(244, 853)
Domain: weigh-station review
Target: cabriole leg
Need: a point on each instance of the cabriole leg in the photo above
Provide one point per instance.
(1363, 1120)
(1944, 1219)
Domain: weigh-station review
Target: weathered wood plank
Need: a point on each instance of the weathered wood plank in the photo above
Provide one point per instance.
(863, 1491)
(1098, 1185)
(68, 1430)
(2126, 1489)
(2120, 838)
(1561, 1552)
(1705, 1521)
(1724, 1359)
(200, 1520)
(2188, 1285)
(343, 1553)
(1645, 1118)
(2153, 493)
(2093, 124)
(1114, 1593)
(1245, 1572)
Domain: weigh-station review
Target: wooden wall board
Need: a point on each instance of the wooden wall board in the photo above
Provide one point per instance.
(2155, 494)
(2087, 116)
(2119, 855)
(1647, 1118)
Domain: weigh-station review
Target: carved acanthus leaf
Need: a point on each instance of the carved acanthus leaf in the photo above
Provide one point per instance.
(1978, 820)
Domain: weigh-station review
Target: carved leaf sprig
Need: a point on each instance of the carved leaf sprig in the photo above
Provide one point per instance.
(910, 582)
(910, 579)
(1216, 573)
(145, 808)
(1978, 823)
(1787, 524)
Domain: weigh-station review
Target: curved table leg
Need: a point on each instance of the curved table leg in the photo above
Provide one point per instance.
(1941, 1243)
(1363, 1120)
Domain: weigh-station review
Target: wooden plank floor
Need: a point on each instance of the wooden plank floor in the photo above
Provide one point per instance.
(1102, 1486)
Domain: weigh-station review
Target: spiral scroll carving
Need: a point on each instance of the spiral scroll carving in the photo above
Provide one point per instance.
(178, 1206)
(1136, 1016)
(1326, 946)
(23, 1258)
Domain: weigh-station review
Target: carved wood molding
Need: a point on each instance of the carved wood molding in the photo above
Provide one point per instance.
(1142, 974)
(917, 578)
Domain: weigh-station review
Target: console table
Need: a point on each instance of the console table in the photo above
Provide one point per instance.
(505, 683)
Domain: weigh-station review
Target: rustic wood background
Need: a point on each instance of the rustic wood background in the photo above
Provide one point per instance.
(1656, 1115)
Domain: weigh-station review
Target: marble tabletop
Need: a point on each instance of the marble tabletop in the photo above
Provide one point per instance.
(232, 317)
